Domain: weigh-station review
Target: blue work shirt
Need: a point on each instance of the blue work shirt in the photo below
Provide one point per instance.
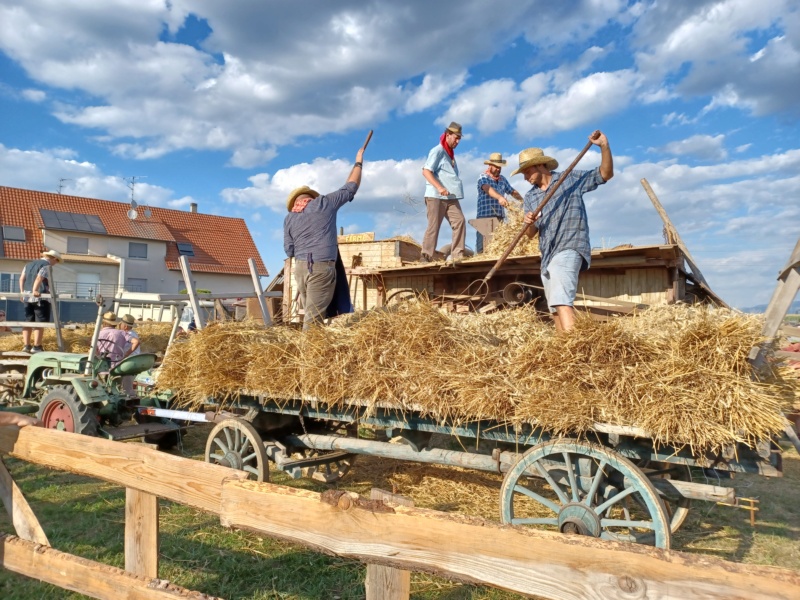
(313, 231)
(488, 206)
(563, 224)
(446, 171)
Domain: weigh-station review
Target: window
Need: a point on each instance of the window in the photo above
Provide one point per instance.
(72, 221)
(137, 250)
(185, 249)
(9, 282)
(76, 245)
(13, 234)
(136, 285)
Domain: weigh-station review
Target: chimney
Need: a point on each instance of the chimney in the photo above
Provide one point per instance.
(193, 207)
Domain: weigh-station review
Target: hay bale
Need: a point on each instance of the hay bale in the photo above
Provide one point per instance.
(152, 335)
(506, 232)
(678, 372)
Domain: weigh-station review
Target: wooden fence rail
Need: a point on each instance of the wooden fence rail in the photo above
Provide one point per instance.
(453, 546)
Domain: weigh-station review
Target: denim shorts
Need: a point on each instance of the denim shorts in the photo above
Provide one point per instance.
(561, 281)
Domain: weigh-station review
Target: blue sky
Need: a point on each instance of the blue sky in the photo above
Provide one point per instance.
(233, 104)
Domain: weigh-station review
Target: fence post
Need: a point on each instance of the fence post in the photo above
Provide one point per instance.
(388, 583)
(141, 533)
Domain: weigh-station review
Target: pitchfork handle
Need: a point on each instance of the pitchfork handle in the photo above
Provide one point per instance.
(538, 210)
(369, 137)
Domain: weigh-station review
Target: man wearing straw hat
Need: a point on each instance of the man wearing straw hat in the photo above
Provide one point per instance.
(33, 282)
(310, 237)
(443, 190)
(492, 190)
(563, 225)
(111, 341)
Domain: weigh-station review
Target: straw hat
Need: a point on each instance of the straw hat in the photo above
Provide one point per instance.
(454, 127)
(534, 156)
(303, 189)
(110, 318)
(52, 254)
(496, 159)
(128, 320)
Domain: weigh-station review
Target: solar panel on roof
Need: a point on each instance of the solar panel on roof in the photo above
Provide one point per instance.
(72, 221)
(185, 249)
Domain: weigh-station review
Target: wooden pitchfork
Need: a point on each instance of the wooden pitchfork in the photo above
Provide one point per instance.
(479, 289)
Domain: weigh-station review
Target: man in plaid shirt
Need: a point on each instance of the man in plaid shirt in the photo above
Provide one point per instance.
(492, 191)
(563, 226)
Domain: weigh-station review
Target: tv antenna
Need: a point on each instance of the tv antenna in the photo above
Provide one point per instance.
(61, 184)
(131, 182)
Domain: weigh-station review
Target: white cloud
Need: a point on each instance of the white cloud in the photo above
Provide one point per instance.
(704, 147)
(432, 90)
(34, 95)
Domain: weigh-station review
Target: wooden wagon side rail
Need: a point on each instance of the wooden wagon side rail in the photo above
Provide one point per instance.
(456, 547)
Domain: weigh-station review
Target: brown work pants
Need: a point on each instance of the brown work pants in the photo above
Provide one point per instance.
(437, 210)
(315, 288)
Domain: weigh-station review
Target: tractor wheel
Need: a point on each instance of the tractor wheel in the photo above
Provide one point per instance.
(61, 408)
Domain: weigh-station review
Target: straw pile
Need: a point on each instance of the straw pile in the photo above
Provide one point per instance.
(678, 372)
(507, 231)
(153, 337)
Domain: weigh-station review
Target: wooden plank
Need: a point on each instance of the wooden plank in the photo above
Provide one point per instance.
(192, 482)
(388, 583)
(85, 576)
(259, 292)
(19, 511)
(787, 355)
(141, 533)
(512, 558)
(788, 330)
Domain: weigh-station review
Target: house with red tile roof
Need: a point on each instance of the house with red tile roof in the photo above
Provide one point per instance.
(107, 247)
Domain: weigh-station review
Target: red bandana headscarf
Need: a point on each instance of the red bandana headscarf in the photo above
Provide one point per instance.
(301, 203)
(495, 177)
(447, 147)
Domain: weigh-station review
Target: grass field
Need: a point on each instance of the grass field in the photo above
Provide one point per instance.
(86, 517)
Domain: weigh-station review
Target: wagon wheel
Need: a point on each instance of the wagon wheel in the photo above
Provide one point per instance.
(677, 508)
(328, 472)
(236, 444)
(587, 490)
(401, 296)
(62, 409)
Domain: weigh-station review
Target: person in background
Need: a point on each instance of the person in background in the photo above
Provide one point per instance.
(3, 328)
(33, 282)
(563, 225)
(127, 324)
(310, 237)
(111, 341)
(492, 191)
(443, 190)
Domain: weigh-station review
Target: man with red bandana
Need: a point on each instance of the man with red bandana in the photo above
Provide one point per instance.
(443, 190)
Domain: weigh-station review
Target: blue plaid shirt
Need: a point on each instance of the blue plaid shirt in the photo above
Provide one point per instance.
(488, 206)
(563, 224)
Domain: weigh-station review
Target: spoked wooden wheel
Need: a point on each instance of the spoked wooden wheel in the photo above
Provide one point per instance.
(236, 444)
(585, 489)
(328, 471)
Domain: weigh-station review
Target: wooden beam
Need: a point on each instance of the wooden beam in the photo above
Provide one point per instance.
(788, 330)
(512, 558)
(388, 583)
(85, 576)
(672, 233)
(259, 291)
(189, 482)
(141, 533)
(19, 511)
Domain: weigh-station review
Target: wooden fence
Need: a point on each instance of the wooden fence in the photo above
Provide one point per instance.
(415, 539)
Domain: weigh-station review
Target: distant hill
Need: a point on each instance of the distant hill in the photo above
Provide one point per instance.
(760, 308)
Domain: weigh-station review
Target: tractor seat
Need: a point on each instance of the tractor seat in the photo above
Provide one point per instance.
(134, 365)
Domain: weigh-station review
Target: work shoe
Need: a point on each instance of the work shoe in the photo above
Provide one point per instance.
(36, 349)
(26, 349)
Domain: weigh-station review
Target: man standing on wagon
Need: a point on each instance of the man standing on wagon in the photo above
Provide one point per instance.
(492, 191)
(443, 190)
(309, 236)
(563, 225)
